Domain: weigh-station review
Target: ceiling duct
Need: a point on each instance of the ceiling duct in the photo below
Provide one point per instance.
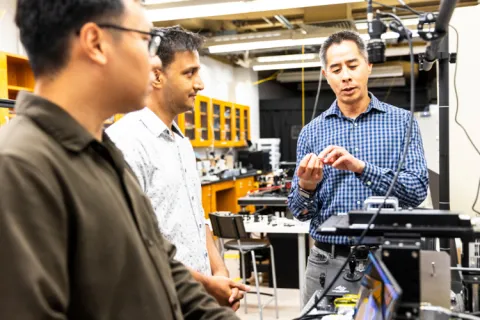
(308, 35)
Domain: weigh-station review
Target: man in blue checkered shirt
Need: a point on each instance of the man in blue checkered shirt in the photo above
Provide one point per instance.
(349, 153)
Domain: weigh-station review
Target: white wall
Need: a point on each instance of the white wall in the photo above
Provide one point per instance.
(9, 40)
(464, 161)
(429, 129)
(235, 84)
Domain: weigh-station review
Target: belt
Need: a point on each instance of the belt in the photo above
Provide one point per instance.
(341, 250)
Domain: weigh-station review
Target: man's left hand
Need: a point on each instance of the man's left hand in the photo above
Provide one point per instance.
(235, 298)
(341, 159)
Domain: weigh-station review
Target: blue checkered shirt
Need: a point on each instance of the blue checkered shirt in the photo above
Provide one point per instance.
(376, 137)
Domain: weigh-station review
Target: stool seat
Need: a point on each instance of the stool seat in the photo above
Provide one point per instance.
(247, 244)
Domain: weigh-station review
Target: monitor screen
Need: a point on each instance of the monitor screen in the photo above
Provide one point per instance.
(379, 293)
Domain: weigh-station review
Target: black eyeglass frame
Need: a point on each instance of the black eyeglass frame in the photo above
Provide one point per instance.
(155, 37)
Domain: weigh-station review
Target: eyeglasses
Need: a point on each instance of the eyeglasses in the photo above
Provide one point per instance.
(153, 44)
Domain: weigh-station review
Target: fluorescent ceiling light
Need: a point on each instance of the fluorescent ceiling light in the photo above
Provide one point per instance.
(280, 66)
(372, 83)
(378, 72)
(390, 52)
(283, 43)
(290, 57)
(233, 7)
(256, 45)
(404, 51)
(406, 22)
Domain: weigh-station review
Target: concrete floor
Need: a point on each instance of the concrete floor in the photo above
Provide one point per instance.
(288, 305)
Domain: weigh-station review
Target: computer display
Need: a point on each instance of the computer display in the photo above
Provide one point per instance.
(379, 293)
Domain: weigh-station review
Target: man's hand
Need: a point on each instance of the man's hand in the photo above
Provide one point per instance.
(341, 159)
(235, 298)
(310, 172)
(226, 291)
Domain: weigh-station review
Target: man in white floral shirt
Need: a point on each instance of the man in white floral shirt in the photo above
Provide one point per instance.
(164, 162)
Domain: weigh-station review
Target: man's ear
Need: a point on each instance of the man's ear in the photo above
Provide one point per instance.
(370, 66)
(159, 81)
(325, 75)
(93, 42)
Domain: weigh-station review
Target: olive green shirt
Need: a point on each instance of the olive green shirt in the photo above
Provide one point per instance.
(78, 238)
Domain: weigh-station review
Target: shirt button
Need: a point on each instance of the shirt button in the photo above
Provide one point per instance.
(369, 183)
(358, 202)
(147, 241)
(356, 124)
(356, 149)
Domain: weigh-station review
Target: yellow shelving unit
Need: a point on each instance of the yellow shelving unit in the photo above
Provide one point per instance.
(217, 121)
(242, 125)
(227, 124)
(221, 123)
(15, 76)
(196, 124)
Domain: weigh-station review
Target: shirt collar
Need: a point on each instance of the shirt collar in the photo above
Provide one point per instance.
(54, 120)
(374, 104)
(156, 125)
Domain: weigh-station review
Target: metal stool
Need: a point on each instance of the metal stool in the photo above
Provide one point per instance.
(229, 226)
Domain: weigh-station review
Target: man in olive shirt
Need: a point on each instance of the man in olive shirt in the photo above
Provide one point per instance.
(78, 238)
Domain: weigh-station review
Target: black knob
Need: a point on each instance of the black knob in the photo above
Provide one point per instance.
(352, 264)
(322, 279)
(352, 275)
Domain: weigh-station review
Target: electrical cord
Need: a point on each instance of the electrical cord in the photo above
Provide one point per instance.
(318, 94)
(305, 316)
(456, 115)
(387, 95)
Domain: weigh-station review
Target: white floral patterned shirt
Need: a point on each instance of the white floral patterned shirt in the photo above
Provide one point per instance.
(164, 163)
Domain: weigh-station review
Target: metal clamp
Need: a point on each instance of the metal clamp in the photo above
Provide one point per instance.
(372, 203)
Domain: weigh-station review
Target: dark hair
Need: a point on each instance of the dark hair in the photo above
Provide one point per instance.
(338, 38)
(46, 27)
(176, 39)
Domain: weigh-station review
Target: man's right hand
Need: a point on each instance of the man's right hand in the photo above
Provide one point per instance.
(220, 288)
(310, 172)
